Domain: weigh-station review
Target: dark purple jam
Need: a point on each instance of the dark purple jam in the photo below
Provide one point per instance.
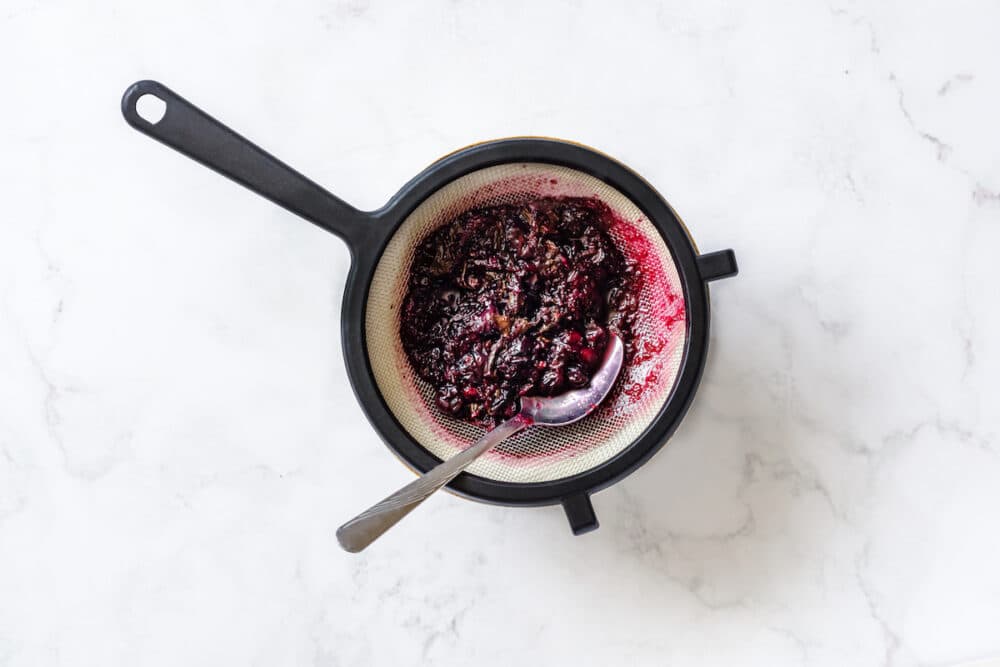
(507, 301)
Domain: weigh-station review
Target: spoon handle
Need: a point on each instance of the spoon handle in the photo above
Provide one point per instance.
(365, 528)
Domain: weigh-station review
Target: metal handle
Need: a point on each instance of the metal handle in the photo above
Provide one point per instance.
(365, 528)
(189, 130)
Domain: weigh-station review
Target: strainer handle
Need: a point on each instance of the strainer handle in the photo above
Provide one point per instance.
(365, 528)
(191, 131)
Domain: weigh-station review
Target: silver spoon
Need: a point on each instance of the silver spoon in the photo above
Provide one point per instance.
(560, 410)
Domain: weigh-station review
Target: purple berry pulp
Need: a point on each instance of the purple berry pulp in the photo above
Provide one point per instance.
(514, 300)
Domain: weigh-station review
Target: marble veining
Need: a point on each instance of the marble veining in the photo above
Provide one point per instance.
(178, 439)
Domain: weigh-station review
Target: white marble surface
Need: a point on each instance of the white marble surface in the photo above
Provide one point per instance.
(178, 438)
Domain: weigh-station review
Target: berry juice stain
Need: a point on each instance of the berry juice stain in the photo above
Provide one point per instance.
(644, 355)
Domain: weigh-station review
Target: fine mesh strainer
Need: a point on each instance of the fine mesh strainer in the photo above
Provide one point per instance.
(539, 466)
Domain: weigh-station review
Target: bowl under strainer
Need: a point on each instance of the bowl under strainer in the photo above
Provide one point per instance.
(540, 454)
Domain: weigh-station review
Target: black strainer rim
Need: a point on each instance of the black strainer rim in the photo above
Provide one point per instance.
(694, 271)
(194, 133)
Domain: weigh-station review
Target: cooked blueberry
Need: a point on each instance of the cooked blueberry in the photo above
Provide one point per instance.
(576, 377)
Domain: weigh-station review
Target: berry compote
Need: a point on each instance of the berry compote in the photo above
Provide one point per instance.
(513, 300)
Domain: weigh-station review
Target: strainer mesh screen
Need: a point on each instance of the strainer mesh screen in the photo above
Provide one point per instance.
(537, 454)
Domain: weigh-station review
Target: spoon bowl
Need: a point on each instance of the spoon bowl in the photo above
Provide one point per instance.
(573, 406)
